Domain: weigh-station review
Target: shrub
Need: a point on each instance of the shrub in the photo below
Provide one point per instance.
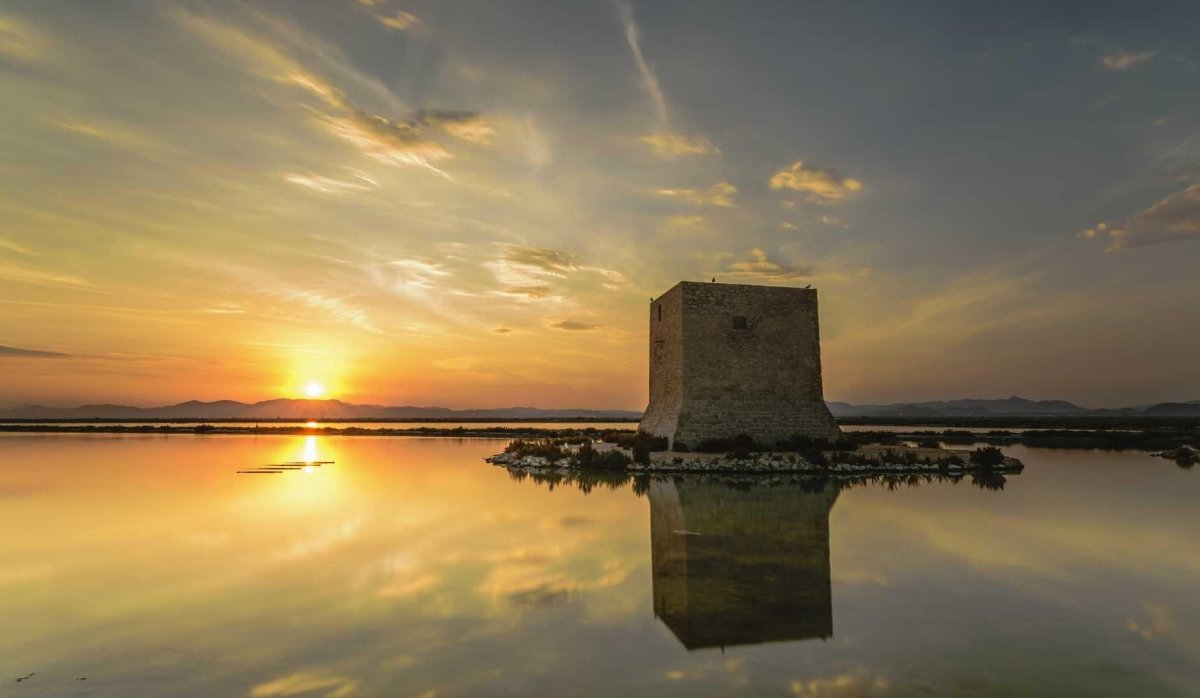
(546, 449)
(654, 443)
(588, 458)
(929, 443)
(815, 457)
(739, 454)
(641, 452)
(585, 455)
(639, 439)
(987, 457)
(946, 461)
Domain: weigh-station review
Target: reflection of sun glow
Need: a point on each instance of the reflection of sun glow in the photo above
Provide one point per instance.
(313, 485)
(311, 425)
(314, 390)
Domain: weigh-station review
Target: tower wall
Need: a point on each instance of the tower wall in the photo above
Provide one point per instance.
(666, 364)
(730, 359)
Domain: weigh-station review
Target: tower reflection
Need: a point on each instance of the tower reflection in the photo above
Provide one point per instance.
(741, 565)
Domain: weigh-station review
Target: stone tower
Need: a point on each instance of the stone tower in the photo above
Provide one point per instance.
(730, 359)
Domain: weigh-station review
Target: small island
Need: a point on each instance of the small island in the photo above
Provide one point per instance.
(642, 453)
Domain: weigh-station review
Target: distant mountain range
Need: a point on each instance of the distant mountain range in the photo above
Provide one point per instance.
(338, 410)
(1010, 407)
(302, 409)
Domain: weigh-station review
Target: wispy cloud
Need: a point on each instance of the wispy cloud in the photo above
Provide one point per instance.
(408, 275)
(672, 145)
(401, 142)
(391, 18)
(358, 181)
(574, 325)
(761, 267)
(554, 262)
(719, 194)
(531, 272)
(466, 125)
(305, 683)
(391, 143)
(860, 686)
(18, 352)
(648, 78)
(18, 41)
(534, 291)
(822, 185)
(33, 275)
(1123, 60)
(14, 247)
(1171, 219)
(337, 306)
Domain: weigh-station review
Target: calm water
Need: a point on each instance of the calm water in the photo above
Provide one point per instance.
(409, 567)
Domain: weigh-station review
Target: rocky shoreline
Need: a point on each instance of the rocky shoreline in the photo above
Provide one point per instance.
(1183, 456)
(760, 463)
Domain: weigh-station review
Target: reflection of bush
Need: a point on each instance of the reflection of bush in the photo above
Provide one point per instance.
(892, 456)
(986, 480)
(586, 481)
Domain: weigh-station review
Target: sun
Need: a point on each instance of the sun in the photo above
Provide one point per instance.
(314, 390)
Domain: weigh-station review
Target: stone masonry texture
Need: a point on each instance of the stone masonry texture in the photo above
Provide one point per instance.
(730, 359)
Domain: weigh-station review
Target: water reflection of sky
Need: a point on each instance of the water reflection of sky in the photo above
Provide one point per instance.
(409, 567)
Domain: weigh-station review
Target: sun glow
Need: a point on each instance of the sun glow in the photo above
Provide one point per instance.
(314, 390)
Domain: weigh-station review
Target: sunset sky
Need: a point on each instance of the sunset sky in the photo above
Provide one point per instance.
(471, 203)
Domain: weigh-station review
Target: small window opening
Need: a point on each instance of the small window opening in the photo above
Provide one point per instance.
(660, 313)
(739, 322)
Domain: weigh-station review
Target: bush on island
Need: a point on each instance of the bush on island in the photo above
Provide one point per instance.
(987, 457)
(631, 440)
(547, 449)
(588, 458)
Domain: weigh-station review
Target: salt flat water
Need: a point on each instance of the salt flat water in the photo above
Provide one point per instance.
(147, 566)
